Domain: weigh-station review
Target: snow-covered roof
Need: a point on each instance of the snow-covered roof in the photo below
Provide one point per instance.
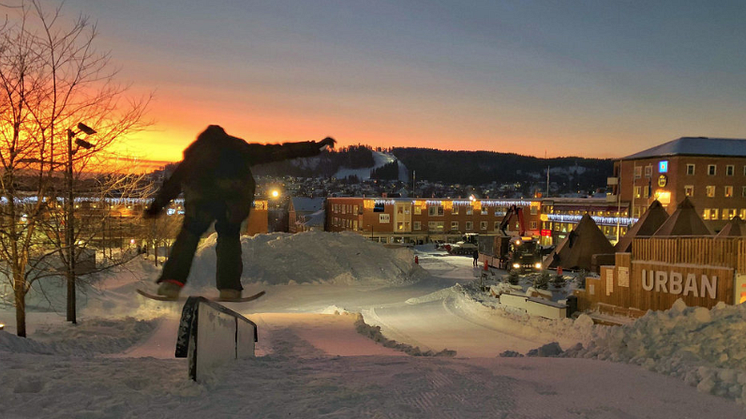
(695, 146)
(301, 204)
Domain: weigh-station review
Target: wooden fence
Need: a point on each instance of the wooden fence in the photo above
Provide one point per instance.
(707, 251)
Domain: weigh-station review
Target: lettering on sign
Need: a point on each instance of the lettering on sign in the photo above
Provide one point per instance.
(623, 275)
(674, 283)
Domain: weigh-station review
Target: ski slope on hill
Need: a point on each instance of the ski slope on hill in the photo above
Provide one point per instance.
(380, 159)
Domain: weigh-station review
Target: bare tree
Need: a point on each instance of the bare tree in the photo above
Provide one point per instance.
(51, 80)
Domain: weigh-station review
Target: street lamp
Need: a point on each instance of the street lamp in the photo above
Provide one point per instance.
(70, 212)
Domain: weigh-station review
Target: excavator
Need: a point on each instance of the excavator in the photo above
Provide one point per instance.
(508, 251)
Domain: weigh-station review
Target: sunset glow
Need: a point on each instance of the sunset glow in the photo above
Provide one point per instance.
(542, 79)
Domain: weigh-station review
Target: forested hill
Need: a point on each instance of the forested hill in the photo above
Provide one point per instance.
(481, 167)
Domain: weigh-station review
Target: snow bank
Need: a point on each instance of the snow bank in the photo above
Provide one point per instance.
(705, 348)
(374, 333)
(87, 338)
(311, 258)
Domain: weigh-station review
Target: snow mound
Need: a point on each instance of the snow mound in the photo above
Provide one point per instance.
(87, 338)
(705, 348)
(374, 333)
(311, 258)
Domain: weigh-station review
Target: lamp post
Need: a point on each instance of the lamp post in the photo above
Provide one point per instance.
(70, 213)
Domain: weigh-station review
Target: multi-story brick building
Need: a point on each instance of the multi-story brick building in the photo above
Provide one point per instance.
(710, 171)
(408, 220)
(560, 216)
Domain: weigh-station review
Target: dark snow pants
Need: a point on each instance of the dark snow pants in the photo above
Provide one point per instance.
(228, 216)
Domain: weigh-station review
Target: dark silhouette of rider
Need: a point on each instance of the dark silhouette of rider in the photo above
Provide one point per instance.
(215, 177)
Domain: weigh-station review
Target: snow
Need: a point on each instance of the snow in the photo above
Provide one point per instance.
(339, 346)
(379, 159)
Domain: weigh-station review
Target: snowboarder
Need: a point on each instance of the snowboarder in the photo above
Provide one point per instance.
(475, 255)
(215, 177)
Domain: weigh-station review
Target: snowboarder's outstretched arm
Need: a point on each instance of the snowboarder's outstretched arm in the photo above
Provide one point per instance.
(170, 190)
(261, 153)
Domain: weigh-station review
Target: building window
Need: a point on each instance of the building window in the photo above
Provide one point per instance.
(469, 226)
(454, 211)
(435, 211)
(710, 191)
(534, 210)
(417, 225)
(689, 190)
(485, 211)
(469, 210)
(743, 191)
(497, 226)
(417, 210)
(638, 172)
(638, 191)
(436, 226)
(730, 170)
(714, 214)
(454, 225)
(646, 192)
(483, 225)
(728, 191)
(743, 214)
(706, 214)
(729, 213)
(711, 169)
(648, 171)
(689, 169)
(534, 225)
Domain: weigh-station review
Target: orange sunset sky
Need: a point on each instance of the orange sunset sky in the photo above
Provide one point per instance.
(595, 79)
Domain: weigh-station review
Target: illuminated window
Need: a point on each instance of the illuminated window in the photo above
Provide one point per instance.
(435, 211)
(454, 225)
(534, 225)
(638, 191)
(646, 192)
(469, 210)
(710, 191)
(469, 226)
(714, 214)
(689, 190)
(729, 213)
(534, 210)
(454, 211)
(743, 214)
(689, 169)
(417, 210)
(485, 211)
(711, 169)
(706, 214)
(730, 170)
(728, 191)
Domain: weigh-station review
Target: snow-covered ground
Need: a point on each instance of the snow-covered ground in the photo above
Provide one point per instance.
(317, 357)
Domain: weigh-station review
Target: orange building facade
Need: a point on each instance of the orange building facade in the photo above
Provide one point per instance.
(409, 221)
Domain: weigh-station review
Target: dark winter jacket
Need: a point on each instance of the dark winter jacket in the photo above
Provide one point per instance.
(217, 166)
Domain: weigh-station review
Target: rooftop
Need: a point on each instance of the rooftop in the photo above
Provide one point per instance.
(695, 146)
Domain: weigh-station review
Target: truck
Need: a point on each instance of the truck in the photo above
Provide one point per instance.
(511, 252)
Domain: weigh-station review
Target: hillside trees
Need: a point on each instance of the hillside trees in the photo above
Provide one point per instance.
(52, 79)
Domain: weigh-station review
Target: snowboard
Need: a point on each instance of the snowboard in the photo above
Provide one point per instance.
(185, 297)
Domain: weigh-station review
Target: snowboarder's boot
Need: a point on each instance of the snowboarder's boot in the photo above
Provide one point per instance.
(229, 294)
(169, 289)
